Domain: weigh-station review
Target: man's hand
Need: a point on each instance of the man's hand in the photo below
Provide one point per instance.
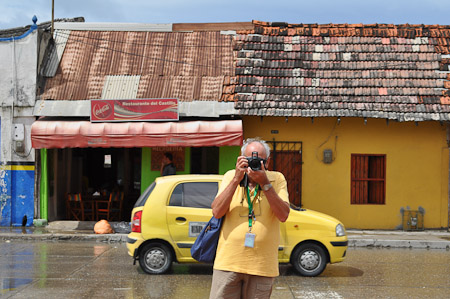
(241, 168)
(258, 176)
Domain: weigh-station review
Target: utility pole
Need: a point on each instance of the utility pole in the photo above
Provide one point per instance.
(53, 16)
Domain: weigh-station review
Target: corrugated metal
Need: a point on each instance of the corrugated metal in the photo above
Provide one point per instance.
(120, 87)
(186, 65)
(60, 37)
(185, 88)
(114, 27)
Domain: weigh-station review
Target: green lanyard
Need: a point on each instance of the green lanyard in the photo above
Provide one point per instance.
(251, 214)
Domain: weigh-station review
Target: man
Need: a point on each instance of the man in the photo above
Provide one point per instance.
(247, 254)
(167, 166)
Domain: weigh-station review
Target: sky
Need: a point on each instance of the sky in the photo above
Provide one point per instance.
(18, 13)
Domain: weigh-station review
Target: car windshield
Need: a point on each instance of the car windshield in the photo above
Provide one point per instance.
(143, 198)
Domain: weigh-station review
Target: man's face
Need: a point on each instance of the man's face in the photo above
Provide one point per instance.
(255, 147)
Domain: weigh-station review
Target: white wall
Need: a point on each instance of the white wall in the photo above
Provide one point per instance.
(18, 71)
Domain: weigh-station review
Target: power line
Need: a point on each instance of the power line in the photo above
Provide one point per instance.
(74, 40)
(181, 45)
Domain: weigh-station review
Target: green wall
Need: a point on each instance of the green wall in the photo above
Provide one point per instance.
(228, 156)
(227, 161)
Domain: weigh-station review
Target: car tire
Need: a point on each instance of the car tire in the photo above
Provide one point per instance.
(309, 259)
(155, 258)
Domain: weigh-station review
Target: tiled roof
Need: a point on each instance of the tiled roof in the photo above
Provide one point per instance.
(186, 65)
(398, 72)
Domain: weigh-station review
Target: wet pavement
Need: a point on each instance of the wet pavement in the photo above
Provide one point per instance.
(90, 269)
(84, 231)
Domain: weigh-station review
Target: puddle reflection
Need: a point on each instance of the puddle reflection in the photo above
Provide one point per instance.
(11, 284)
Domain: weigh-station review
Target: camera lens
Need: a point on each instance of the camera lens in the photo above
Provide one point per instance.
(254, 163)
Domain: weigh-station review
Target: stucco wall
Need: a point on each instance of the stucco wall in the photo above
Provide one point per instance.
(18, 69)
(416, 166)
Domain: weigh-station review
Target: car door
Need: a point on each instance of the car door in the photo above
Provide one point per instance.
(188, 210)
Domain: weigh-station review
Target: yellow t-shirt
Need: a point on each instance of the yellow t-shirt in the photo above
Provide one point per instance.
(231, 254)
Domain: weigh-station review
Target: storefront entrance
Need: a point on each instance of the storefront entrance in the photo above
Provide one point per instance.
(89, 161)
(93, 173)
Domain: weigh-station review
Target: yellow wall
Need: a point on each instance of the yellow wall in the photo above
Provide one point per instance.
(416, 166)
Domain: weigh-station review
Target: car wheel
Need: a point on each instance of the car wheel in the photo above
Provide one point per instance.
(309, 259)
(155, 258)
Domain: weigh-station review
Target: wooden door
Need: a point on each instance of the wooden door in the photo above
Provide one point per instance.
(286, 157)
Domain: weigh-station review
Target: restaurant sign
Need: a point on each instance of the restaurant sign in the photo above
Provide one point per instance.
(134, 110)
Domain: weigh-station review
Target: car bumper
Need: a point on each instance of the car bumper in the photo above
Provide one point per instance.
(134, 241)
(338, 249)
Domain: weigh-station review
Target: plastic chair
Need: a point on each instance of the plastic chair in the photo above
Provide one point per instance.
(76, 209)
(111, 209)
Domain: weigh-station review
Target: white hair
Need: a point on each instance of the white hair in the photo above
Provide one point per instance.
(258, 140)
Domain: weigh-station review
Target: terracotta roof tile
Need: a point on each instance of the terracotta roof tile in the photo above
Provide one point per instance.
(377, 70)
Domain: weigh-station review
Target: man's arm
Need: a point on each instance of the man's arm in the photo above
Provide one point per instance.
(279, 207)
(221, 203)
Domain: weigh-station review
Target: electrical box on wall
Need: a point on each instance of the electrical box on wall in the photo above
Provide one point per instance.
(19, 132)
(327, 156)
(19, 138)
(20, 146)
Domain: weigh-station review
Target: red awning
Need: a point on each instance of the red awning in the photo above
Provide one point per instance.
(62, 134)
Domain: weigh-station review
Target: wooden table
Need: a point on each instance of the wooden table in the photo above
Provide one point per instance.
(91, 200)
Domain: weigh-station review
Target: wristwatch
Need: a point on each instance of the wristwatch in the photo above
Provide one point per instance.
(266, 187)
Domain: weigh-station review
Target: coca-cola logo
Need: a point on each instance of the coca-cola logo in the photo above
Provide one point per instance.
(102, 110)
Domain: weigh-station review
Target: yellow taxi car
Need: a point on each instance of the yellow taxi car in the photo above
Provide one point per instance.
(170, 214)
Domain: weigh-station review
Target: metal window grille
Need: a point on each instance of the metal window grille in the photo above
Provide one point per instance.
(286, 157)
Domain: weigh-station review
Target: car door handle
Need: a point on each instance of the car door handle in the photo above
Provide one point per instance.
(180, 219)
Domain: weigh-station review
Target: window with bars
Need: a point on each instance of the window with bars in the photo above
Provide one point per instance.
(368, 181)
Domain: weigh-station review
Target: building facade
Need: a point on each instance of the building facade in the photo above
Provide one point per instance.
(187, 64)
(357, 115)
(19, 50)
(369, 106)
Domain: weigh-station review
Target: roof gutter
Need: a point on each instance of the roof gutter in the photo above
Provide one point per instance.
(13, 38)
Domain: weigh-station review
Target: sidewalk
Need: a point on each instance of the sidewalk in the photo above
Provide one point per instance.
(84, 231)
(427, 239)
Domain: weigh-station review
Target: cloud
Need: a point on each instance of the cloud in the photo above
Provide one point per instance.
(17, 13)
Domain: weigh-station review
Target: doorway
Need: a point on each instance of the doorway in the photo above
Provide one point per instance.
(286, 157)
(205, 160)
(93, 170)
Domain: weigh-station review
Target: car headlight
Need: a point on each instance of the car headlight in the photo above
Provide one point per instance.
(340, 230)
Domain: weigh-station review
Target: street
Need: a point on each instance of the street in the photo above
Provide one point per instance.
(101, 270)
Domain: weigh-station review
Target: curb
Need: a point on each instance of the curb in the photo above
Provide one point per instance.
(122, 238)
(413, 244)
(105, 238)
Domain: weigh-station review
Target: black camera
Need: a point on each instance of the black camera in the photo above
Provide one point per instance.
(254, 162)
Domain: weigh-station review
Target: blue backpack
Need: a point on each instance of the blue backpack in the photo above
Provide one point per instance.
(204, 248)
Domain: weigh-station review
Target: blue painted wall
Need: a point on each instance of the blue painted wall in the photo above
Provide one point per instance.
(22, 196)
(5, 196)
(16, 195)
